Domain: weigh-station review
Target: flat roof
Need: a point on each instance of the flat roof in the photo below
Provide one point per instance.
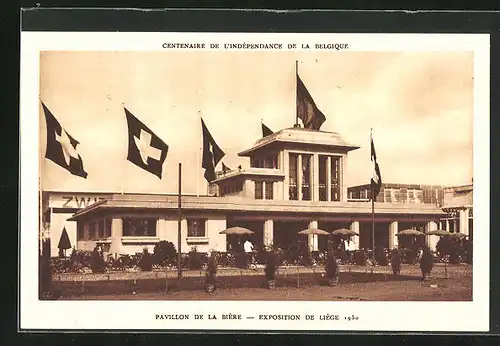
(301, 136)
(252, 171)
(241, 204)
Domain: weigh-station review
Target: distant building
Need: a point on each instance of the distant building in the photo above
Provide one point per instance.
(296, 180)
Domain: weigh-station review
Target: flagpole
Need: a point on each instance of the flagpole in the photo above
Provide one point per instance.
(373, 209)
(296, 82)
(179, 211)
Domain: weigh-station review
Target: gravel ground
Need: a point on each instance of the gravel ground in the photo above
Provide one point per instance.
(455, 285)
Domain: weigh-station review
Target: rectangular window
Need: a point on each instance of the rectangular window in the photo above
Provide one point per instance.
(323, 177)
(269, 189)
(107, 229)
(292, 185)
(100, 229)
(258, 190)
(335, 179)
(92, 229)
(135, 227)
(306, 177)
(79, 231)
(418, 196)
(196, 227)
(388, 195)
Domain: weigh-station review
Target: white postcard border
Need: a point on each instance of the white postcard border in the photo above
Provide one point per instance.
(128, 315)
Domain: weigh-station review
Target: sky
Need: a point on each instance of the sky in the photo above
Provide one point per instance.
(419, 104)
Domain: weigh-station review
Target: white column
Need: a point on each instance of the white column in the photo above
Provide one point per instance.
(328, 178)
(343, 191)
(431, 240)
(268, 232)
(464, 221)
(285, 169)
(354, 241)
(299, 177)
(393, 235)
(161, 228)
(312, 239)
(315, 178)
(447, 225)
(116, 236)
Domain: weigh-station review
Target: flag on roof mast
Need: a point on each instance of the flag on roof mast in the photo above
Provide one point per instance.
(212, 154)
(307, 111)
(266, 131)
(145, 149)
(225, 168)
(376, 180)
(61, 146)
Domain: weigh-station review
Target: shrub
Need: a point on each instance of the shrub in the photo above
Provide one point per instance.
(342, 255)
(306, 259)
(146, 261)
(443, 246)
(164, 253)
(427, 261)
(380, 256)
(360, 257)
(295, 252)
(409, 255)
(455, 254)
(211, 269)
(271, 265)
(396, 261)
(468, 249)
(194, 260)
(331, 267)
(97, 263)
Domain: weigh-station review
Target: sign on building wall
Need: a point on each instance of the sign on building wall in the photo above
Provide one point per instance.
(74, 201)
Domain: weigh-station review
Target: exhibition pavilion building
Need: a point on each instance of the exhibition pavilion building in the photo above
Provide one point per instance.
(295, 180)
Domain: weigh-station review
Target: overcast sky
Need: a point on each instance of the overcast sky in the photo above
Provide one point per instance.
(419, 104)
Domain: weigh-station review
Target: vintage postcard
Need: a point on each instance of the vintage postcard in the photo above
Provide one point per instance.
(196, 181)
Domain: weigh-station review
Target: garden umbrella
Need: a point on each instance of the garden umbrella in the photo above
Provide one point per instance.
(345, 232)
(317, 231)
(64, 242)
(458, 235)
(236, 231)
(410, 231)
(439, 232)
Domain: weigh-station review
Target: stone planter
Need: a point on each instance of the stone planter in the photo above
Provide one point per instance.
(271, 284)
(332, 282)
(210, 288)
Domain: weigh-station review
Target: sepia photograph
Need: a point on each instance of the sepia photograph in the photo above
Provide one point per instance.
(255, 172)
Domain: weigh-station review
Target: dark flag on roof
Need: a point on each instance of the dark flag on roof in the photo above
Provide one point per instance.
(212, 154)
(266, 131)
(145, 148)
(376, 180)
(61, 146)
(311, 116)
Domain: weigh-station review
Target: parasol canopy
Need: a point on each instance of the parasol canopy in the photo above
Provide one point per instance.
(439, 232)
(411, 231)
(236, 231)
(458, 235)
(344, 232)
(313, 231)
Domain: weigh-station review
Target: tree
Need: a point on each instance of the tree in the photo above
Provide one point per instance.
(64, 243)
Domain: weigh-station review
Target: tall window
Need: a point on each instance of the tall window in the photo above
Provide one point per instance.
(306, 177)
(258, 189)
(292, 186)
(387, 195)
(135, 227)
(196, 227)
(322, 177)
(92, 228)
(269, 189)
(107, 228)
(335, 178)
(79, 231)
(100, 229)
